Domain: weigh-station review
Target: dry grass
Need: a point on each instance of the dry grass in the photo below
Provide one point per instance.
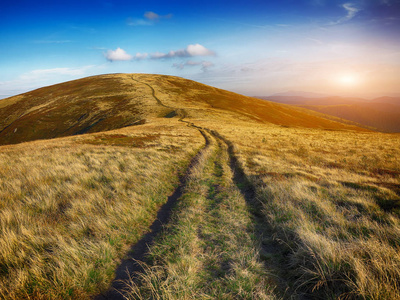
(208, 250)
(88, 105)
(333, 198)
(107, 102)
(70, 208)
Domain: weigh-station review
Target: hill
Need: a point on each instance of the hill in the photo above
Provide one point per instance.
(300, 100)
(208, 195)
(391, 100)
(382, 116)
(107, 102)
(380, 113)
(299, 94)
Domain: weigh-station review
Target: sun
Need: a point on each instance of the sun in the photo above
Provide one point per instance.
(348, 80)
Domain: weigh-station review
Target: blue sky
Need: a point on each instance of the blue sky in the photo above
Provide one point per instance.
(252, 47)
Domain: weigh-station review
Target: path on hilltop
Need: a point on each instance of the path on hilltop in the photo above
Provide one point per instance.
(220, 205)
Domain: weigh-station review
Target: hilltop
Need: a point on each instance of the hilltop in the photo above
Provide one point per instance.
(107, 102)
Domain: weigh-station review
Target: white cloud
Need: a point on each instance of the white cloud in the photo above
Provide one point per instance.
(179, 66)
(118, 55)
(140, 56)
(158, 55)
(207, 64)
(191, 50)
(151, 15)
(351, 11)
(198, 50)
(149, 18)
(190, 63)
(155, 17)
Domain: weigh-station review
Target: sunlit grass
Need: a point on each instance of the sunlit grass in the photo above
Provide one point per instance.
(70, 208)
(324, 222)
(334, 199)
(208, 250)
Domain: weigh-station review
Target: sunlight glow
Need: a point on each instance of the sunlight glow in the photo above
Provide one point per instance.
(349, 80)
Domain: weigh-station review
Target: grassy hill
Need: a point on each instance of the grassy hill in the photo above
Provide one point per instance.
(194, 193)
(107, 102)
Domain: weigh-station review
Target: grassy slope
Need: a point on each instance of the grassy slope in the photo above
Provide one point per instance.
(179, 92)
(107, 102)
(86, 105)
(70, 208)
(330, 197)
(333, 200)
(209, 249)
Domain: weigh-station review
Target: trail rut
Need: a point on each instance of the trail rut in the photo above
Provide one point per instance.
(267, 246)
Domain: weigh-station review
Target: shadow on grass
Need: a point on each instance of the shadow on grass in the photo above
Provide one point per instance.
(273, 253)
(130, 267)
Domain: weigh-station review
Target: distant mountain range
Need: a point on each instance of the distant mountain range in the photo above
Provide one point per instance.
(382, 113)
(300, 94)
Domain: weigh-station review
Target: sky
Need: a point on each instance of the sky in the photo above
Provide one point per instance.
(253, 47)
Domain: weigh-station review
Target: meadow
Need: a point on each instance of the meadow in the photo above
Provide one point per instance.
(332, 201)
(70, 208)
(275, 202)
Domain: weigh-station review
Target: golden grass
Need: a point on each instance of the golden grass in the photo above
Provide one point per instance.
(70, 208)
(333, 199)
(87, 105)
(113, 101)
(207, 251)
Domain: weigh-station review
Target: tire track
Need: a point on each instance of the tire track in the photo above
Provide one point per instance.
(138, 252)
(269, 246)
(264, 231)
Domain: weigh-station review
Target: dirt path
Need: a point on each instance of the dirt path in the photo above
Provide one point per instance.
(273, 253)
(153, 92)
(225, 175)
(138, 251)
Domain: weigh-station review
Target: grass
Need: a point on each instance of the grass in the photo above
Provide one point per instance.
(107, 102)
(333, 200)
(70, 208)
(208, 250)
(323, 222)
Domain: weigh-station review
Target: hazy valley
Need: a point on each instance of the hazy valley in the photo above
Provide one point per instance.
(201, 193)
(382, 114)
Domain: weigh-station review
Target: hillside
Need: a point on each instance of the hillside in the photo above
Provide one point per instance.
(200, 194)
(391, 100)
(301, 100)
(107, 102)
(382, 116)
(380, 113)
